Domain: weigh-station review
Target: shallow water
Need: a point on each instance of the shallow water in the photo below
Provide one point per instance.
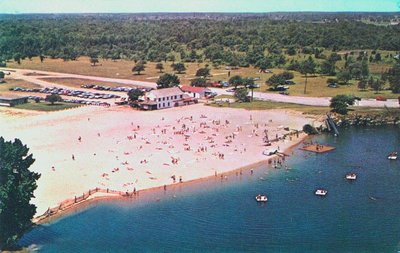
(215, 216)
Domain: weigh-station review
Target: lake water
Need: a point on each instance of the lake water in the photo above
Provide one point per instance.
(215, 216)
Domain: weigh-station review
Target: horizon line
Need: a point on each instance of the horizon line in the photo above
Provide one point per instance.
(196, 12)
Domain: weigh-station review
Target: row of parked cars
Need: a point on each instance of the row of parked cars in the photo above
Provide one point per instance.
(68, 92)
(118, 88)
(74, 101)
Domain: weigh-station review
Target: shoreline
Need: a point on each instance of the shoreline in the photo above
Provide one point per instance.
(91, 200)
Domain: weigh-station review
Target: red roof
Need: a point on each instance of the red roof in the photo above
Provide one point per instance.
(193, 89)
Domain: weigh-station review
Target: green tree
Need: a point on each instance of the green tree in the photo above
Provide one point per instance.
(393, 76)
(236, 81)
(167, 81)
(198, 82)
(242, 95)
(275, 80)
(160, 67)
(378, 57)
(41, 57)
(2, 76)
(340, 103)
(344, 76)
(307, 67)
(17, 58)
(264, 63)
(134, 94)
(93, 61)
(287, 75)
(53, 98)
(179, 67)
(139, 67)
(203, 72)
(364, 68)
(248, 82)
(17, 185)
(376, 84)
(328, 68)
(291, 50)
(362, 84)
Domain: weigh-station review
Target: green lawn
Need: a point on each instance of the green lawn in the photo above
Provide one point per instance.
(46, 107)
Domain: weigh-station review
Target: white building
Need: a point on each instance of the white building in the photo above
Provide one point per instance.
(196, 92)
(165, 98)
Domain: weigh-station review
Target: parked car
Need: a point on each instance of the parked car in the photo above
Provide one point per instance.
(289, 82)
(380, 98)
(284, 93)
(282, 87)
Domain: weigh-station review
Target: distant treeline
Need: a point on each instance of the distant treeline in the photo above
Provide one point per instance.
(194, 37)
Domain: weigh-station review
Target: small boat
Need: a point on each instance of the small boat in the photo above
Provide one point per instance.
(392, 156)
(261, 198)
(269, 152)
(351, 176)
(321, 192)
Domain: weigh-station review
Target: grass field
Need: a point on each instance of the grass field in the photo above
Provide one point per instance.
(76, 82)
(316, 86)
(46, 107)
(4, 87)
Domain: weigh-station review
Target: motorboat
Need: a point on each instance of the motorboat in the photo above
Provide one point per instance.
(351, 176)
(392, 156)
(261, 198)
(269, 152)
(321, 192)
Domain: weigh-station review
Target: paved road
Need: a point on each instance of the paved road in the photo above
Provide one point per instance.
(314, 101)
(21, 73)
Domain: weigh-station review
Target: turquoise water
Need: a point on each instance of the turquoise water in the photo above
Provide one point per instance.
(215, 216)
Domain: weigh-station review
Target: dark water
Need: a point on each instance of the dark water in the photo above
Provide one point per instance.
(215, 216)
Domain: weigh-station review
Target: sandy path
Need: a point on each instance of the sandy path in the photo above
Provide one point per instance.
(123, 149)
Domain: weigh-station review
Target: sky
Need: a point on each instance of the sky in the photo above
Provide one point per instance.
(140, 6)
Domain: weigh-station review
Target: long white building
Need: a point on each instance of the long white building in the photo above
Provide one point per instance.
(165, 98)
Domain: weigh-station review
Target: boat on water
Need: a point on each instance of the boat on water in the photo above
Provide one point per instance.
(321, 192)
(261, 198)
(392, 156)
(351, 176)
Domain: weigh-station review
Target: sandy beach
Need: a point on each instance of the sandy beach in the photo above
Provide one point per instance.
(123, 149)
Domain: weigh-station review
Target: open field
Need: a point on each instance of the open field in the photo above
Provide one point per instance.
(316, 86)
(4, 87)
(77, 82)
(46, 107)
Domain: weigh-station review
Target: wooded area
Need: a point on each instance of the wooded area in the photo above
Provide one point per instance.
(226, 39)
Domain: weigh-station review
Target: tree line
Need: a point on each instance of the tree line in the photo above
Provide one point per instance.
(240, 41)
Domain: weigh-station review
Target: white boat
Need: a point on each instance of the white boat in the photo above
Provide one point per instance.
(269, 152)
(321, 192)
(351, 176)
(392, 156)
(261, 198)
